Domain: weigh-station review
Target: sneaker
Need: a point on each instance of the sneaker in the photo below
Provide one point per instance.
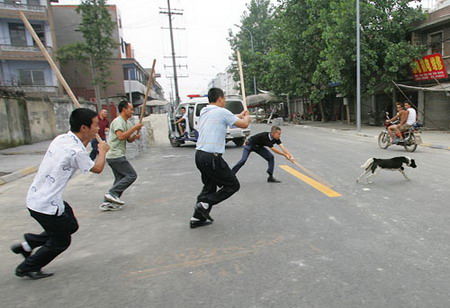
(114, 199)
(108, 206)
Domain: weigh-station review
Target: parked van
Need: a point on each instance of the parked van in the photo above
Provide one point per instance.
(193, 107)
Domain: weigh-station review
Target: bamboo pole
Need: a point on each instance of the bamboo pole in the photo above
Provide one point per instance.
(52, 64)
(241, 76)
(314, 176)
(149, 85)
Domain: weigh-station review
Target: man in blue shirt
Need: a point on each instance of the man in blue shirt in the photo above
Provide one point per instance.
(214, 120)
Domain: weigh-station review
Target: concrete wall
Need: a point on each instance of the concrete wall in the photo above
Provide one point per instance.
(13, 116)
(30, 120)
(437, 110)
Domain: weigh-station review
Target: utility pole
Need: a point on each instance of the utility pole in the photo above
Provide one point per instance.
(358, 69)
(174, 64)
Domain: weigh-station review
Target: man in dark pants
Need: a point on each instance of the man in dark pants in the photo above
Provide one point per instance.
(257, 144)
(103, 127)
(214, 120)
(64, 156)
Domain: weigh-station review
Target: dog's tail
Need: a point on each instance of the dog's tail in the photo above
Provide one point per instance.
(367, 164)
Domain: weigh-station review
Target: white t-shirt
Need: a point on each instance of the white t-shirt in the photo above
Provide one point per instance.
(412, 116)
(64, 156)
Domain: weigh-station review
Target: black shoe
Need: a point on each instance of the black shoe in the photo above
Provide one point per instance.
(33, 275)
(204, 212)
(271, 179)
(199, 223)
(17, 248)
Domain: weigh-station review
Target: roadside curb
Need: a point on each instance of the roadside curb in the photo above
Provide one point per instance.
(17, 174)
(428, 145)
(435, 146)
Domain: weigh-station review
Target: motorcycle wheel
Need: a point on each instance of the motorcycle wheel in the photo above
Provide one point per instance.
(383, 140)
(173, 142)
(410, 142)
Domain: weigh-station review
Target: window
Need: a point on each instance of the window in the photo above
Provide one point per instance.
(435, 44)
(40, 31)
(17, 34)
(33, 2)
(235, 107)
(31, 78)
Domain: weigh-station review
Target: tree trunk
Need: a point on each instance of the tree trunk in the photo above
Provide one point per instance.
(322, 113)
(96, 87)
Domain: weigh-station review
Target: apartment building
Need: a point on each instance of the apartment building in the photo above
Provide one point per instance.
(22, 65)
(128, 77)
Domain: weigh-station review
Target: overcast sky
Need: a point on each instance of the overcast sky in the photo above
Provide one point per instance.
(204, 42)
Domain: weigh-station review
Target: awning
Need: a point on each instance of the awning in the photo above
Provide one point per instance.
(443, 87)
(261, 99)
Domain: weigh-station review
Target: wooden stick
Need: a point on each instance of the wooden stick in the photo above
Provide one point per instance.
(52, 64)
(149, 85)
(316, 177)
(241, 76)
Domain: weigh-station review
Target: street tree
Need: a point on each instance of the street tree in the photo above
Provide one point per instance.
(256, 23)
(386, 52)
(96, 27)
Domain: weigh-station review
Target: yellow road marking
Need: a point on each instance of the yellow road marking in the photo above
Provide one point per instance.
(319, 186)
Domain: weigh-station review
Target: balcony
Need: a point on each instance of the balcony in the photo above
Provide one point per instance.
(15, 85)
(22, 7)
(13, 48)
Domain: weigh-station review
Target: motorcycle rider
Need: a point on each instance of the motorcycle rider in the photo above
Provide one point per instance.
(412, 115)
(402, 116)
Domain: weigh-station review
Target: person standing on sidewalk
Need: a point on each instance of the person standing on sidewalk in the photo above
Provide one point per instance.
(257, 143)
(214, 120)
(121, 130)
(64, 156)
(103, 125)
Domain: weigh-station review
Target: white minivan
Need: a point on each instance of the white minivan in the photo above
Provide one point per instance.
(193, 107)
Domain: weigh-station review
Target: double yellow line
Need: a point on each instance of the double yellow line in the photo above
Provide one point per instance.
(317, 185)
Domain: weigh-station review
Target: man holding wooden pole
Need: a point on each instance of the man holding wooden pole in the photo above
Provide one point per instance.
(121, 131)
(64, 156)
(214, 120)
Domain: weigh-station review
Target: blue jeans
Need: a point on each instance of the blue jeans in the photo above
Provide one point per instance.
(124, 175)
(261, 151)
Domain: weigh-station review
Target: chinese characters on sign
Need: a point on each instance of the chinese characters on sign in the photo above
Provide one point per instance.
(429, 68)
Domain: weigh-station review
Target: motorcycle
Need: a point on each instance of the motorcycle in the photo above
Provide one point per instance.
(410, 141)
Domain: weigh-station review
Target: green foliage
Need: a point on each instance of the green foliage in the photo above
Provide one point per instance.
(257, 23)
(97, 27)
(309, 43)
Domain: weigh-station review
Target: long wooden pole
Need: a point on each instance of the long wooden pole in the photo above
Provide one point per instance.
(49, 59)
(241, 76)
(52, 64)
(314, 176)
(147, 91)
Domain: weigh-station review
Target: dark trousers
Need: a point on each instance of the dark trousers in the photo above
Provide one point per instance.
(54, 240)
(94, 145)
(124, 175)
(261, 151)
(215, 173)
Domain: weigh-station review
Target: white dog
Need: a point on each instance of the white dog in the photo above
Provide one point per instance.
(396, 163)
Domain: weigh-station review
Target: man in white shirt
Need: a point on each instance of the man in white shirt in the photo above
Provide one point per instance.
(214, 120)
(183, 121)
(410, 120)
(64, 156)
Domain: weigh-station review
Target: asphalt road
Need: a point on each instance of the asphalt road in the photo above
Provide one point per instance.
(271, 245)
